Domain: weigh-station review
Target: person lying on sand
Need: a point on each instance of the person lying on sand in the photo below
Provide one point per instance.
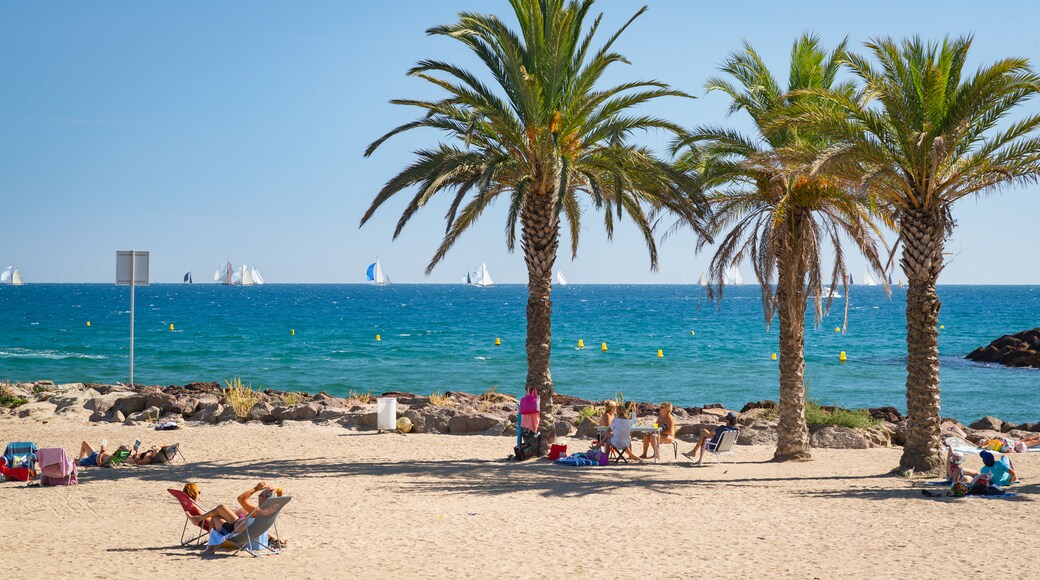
(89, 457)
(156, 455)
(708, 436)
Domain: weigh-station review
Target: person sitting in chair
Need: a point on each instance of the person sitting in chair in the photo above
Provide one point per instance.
(666, 423)
(224, 522)
(608, 438)
(712, 438)
(609, 412)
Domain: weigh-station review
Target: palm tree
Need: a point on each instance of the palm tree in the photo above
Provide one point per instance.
(921, 135)
(544, 136)
(769, 209)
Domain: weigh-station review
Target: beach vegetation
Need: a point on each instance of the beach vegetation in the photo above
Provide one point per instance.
(439, 399)
(537, 128)
(591, 413)
(816, 414)
(921, 133)
(294, 398)
(771, 209)
(365, 398)
(241, 398)
(8, 399)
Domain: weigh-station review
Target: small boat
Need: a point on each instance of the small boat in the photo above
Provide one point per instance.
(257, 278)
(829, 293)
(187, 278)
(375, 275)
(704, 280)
(560, 279)
(224, 274)
(244, 276)
(11, 275)
(480, 278)
(733, 276)
(868, 280)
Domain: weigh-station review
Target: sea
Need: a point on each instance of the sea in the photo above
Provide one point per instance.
(647, 342)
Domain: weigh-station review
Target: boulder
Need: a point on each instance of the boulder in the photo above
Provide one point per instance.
(767, 404)
(1012, 350)
(36, 411)
(757, 433)
(332, 413)
(498, 428)
(163, 401)
(418, 420)
(587, 428)
(229, 415)
(149, 414)
(472, 423)
(832, 437)
(183, 405)
(130, 404)
(988, 423)
(116, 417)
(261, 411)
(564, 428)
(301, 412)
(890, 414)
(208, 412)
(72, 399)
(982, 435)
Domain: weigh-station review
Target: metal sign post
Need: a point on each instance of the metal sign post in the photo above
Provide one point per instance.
(131, 270)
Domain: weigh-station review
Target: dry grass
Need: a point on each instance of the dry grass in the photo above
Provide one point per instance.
(293, 399)
(241, 398)
(438, 399)
(7, 399)
(493, 397)
(363, 398)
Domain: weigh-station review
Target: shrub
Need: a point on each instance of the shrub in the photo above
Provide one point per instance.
(9, 400)
(438, 399)
(293, 399)
(241, 398)
(592, 413)
(363, 398)
(815, 414)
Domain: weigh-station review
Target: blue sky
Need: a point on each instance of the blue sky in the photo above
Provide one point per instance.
(206, 131)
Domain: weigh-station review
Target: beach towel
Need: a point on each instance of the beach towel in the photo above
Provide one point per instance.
(576, 461)
(56, 467)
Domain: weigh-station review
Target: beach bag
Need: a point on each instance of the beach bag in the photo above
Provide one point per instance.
(529, 445)
(557, 451)
(530, 404)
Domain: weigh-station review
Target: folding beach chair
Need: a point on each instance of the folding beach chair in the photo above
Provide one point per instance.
(253, 538)
(56, 467)
(620, 439)
(19, 461)
(191, 508)
(723, 446)
(117, 458)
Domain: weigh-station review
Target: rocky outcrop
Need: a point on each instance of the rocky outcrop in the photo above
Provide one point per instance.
(1011, 350)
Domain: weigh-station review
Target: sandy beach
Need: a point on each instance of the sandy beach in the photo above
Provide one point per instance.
(369, 505)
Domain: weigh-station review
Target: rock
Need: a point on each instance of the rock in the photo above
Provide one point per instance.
(498, 429)
(1012, 350)
(163, 401)
(183, 405)
(759, 405)
(36, 411)
(694, 430)
(208, 412)
(332, 414)
(300, 412)
(116, 417)
(130, 404)
(261, 411)
(418, 420)
(149, 414)
(988, 423)
(981, 435)
(587, 428)
(889, 414)
(1032, 427)
(73, 399)
(472, 423)
(757, 433)
(228, 415)
(1008, 427)
(564, 428)
(832, 437)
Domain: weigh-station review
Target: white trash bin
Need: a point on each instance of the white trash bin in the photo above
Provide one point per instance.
(386, 414)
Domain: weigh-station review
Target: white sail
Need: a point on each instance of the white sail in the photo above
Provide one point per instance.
(257, 278)
(5, 276)
(481, 278)
(733, 276)
(868, 280)
(224, 274)
(704, 280)
(375, 274)
(245, 276)
(16, 277)
(560, 279)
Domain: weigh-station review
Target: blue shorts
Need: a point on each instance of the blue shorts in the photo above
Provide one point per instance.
(89, 461)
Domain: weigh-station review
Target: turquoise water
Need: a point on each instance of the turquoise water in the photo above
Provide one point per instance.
(442, 337)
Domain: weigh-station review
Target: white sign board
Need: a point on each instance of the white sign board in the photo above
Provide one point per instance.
(131, 264)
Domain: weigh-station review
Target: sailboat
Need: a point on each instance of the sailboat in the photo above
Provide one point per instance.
(375, 274)
(243, 276)
(560, 279)
(733, 276)
(704, 280)
(224, 274)
(257, 278)
(187, 278)
(869, 280)
(480, 278)
(11, 275)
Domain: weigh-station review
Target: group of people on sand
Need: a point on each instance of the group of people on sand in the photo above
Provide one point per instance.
(665, 422)
(995, 474)
(125, 454)
(224, 522)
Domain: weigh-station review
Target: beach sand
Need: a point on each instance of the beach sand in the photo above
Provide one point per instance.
(368, 505)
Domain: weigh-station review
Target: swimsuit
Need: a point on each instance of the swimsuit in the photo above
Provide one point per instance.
(90, 460)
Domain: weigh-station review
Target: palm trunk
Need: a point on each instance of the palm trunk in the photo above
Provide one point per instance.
(923, 238)
(540, 239)
(792, 432)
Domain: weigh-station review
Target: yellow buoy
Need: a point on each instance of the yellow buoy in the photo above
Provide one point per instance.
(837, 329)
(842, 357)
(292, 332)
(660, 353)
(581, 343)
(941, 327)
(498, 342)
(88, 323)
(692, 333)
(171, 327)
(603, 347)
(378, 338)
(774, 356)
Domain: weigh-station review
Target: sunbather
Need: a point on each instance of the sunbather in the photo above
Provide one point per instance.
(955, 471)
(1000, 471)
(156, 455)
(609, 412)
(88, 457)
(245, 499)
(712, 437)
(219, 518)
(666, 423)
